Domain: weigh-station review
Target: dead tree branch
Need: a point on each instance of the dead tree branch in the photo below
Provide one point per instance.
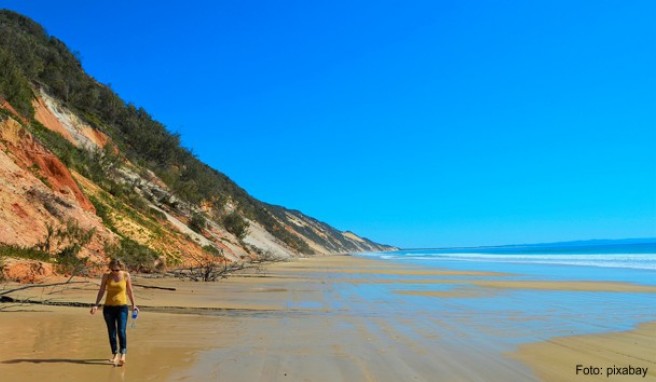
(153, 287)
(6, 292)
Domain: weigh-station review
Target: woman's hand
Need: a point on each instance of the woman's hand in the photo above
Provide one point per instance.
(94, 309)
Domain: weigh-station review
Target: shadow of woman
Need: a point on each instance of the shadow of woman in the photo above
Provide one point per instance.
(93, 361)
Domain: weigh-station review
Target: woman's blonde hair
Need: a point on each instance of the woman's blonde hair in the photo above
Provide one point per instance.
(116, 263)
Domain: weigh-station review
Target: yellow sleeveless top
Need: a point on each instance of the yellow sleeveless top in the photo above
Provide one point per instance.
(116, 291)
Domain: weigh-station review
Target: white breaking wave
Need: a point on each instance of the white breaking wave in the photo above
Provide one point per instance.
(628, 260)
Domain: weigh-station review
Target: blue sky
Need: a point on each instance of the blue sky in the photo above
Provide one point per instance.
(413, 123)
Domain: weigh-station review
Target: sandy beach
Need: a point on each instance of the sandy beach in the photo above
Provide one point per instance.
(336, 318)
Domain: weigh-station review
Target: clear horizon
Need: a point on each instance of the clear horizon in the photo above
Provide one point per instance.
(583, 242)
(422, 125)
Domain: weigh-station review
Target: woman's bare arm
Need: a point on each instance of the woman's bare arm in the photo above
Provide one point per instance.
(128, 286)
(101, 292)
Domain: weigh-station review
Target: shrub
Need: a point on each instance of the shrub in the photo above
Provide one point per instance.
(137, 257)
(74, 238)
(68, 262)
(67, 241)
(14, 86)
(157, 214)
(236, 225)
(23, 253)
(213, 250)
(2, 269)
(197, 222)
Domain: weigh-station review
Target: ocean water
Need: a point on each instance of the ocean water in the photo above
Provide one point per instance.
(600, 262)
(516, 315)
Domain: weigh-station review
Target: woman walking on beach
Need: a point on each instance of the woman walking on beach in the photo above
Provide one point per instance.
(118, 285)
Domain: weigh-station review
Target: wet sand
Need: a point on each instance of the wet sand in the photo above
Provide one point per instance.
(68, 344)
(321, 319)
(557, 359)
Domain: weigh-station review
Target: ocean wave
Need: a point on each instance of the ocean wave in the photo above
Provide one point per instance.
(627, 260)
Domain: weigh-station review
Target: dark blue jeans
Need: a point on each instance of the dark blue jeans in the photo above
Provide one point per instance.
(116, 318)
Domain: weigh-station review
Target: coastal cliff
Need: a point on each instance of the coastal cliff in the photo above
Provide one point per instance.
(85, 176)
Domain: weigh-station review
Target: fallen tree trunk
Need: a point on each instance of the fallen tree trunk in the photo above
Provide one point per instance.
(8, 291)
(154, 287)
(11, 300)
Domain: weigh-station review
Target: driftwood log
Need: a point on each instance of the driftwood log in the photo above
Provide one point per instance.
(153, 287)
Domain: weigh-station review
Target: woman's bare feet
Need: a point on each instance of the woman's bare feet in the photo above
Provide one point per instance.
(114, 359)
(121, 361)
